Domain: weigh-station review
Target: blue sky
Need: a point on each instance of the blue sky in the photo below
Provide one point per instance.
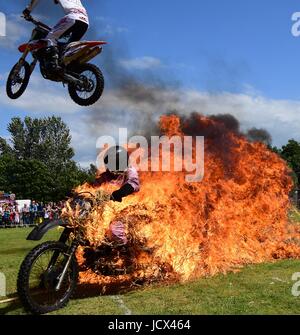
(225, 55)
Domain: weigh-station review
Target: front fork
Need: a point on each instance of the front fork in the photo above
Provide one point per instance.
(63, 239)
(32, 65)
(69, 255)
(22, 61)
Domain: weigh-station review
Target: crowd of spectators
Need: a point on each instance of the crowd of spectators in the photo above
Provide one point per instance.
(36, 213)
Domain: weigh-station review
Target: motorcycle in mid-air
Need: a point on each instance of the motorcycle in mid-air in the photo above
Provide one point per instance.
(85, 81)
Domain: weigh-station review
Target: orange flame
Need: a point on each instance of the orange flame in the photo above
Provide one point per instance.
(237, 215)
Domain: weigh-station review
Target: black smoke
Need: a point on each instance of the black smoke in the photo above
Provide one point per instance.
(259, 135)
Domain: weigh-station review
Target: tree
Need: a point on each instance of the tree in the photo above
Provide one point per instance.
(39, 162)
(47, 140)
(291, 153)
(4, 147)
(5, 163)
(91, 173)
(29, 179)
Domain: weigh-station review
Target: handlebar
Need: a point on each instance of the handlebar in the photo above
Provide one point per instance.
(92, 197)
(91, 194)
(29, 18)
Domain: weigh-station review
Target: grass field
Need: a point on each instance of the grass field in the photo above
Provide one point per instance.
(262, 289)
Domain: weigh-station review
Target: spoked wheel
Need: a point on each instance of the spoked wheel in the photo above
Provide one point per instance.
(91, 91)
(39, 275)
(18, 80)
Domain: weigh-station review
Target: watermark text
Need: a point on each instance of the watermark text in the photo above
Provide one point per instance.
(296, 286)
(2, 285)
(159, 154)
(296, 26)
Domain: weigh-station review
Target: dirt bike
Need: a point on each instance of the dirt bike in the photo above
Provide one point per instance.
(48, 275)
(85, 81)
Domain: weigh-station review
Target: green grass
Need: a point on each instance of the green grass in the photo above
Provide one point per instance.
(260, 289)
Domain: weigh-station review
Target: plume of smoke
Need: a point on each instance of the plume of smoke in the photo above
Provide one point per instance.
(228, 121)
(259, 135)
(218, 131)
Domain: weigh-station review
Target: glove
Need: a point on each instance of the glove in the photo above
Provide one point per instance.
(115, 197)
(124, 191)
(26, 13)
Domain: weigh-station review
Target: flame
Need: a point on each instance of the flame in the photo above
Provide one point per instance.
(237, 215)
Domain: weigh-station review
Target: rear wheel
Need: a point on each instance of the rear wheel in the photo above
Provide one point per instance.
(91, 91)
(39, 274)
(18, 80)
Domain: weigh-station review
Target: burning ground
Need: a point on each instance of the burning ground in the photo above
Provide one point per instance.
(237, 215)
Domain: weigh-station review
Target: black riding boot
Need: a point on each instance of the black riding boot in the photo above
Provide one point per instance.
(52, 58)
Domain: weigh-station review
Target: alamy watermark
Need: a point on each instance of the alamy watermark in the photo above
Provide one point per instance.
(296, 26)
(296, 286)
(159, 154)
(2, 285)
(2, 25)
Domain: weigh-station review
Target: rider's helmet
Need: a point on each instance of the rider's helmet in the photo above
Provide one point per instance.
(116, 159)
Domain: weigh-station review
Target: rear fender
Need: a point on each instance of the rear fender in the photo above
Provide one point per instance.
(39, 232)
(90, 55)
(82, 51)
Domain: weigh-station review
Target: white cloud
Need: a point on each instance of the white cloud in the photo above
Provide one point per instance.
(83, 142)
(112, 30)
(42, 97)
(108, 26)
(143, 63)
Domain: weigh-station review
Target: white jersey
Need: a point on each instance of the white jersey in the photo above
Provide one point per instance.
(72, 8)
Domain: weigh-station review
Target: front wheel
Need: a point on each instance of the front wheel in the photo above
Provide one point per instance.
(18, 80)
(91, 91)
(39, 275)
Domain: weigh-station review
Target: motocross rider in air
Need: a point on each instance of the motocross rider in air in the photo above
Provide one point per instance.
(119, 173)
(74, 23)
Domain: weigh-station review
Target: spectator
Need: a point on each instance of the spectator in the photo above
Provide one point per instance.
(17, 216)
(6, 216)
(25, 215)
(33, 212)
(47, 214)
(36, 213)
(11, 215)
